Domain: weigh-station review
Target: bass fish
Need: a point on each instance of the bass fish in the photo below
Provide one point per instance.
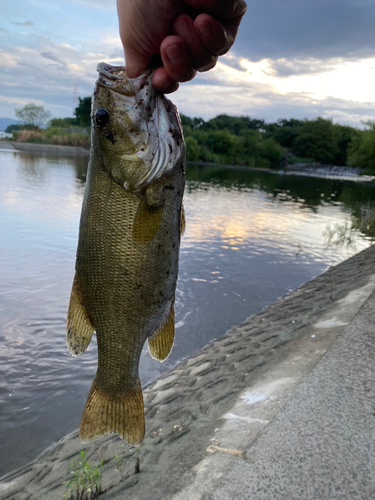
(128, 249)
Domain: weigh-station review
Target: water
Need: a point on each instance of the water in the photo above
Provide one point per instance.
(250, 238)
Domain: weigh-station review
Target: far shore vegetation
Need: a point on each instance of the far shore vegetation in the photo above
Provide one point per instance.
(233, 140)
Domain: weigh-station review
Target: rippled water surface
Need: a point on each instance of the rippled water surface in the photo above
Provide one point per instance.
(250, 238)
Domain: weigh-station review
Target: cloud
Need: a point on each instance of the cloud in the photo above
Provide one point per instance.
(292, 58)
(53, 57)
(320, 29)
(96, 4)
(290, 67)
(45, 72)
(26, 23)
(261, 92)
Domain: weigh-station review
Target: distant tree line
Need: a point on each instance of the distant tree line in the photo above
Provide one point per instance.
(239, 140)
(249, 141)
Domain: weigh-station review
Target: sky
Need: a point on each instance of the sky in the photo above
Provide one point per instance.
(292, 59)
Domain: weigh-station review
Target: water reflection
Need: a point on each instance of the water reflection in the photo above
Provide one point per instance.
(250, 238)
(362, 223)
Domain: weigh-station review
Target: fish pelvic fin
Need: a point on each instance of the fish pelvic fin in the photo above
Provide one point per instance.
(146, 221)
(121, 414)
(161, 342)
(79, 328)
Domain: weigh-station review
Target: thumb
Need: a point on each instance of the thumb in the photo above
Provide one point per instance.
(136, 62)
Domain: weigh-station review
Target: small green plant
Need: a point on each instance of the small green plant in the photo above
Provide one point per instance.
(86, 482)
(118, 459)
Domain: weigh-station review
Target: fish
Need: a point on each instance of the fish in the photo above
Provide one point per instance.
(127, 257)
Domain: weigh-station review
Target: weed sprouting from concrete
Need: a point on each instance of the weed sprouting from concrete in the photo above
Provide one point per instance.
(86, 482)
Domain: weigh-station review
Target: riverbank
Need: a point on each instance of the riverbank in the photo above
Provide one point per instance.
(31, 147)
(205, 417)
(314, 170)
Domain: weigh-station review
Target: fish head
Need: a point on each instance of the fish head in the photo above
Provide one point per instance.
(137, 128)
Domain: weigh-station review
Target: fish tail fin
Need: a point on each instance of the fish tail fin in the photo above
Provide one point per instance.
(121, 414)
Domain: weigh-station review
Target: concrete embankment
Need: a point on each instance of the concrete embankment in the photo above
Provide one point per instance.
(282, 406)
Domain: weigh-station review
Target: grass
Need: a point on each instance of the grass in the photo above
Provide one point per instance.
(86, 482)
(55, 135)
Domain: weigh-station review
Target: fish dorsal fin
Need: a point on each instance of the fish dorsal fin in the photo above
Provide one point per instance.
(79, 328)
(183, 222)
(161, 342)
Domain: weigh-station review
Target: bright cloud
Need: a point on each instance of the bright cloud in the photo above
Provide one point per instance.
(273, 72)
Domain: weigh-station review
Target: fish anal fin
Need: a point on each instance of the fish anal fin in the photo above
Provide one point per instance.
(79, 328)
(182, 222)
(121, 414)
(146, 222)
(161, 342)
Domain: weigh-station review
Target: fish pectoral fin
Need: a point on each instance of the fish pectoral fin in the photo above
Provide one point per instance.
(161, 342)
(122, 414)
(182, 222)
(146, 222)
(79, 328)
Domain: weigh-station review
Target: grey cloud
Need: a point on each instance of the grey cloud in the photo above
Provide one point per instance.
(26, 23)
(232, 61)
(53, 57)
(289, 67)
(276, 29)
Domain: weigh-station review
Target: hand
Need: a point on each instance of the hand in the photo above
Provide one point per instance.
(188, 36)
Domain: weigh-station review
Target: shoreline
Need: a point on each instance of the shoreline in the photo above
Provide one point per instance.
(308, 170)
(197, 415)
(31, 147)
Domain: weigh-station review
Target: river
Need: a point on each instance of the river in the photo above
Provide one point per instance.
(251, 237)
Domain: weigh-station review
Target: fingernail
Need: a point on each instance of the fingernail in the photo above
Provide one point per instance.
(164, 84)
(205, 29)
(174, 53)
(184, 30)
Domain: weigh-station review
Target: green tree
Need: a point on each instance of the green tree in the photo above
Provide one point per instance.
(234, 124)
(31, 114)
(222, 142)
(250, 142)
(317, 139)
(192, 149)
(83, 112)
(361, 152)
(270, 150)
(190, 124)
(344, 137)
(13, 127)
(63, 122)
(284, 131)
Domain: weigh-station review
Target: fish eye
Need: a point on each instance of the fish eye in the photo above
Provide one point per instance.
(101, 117)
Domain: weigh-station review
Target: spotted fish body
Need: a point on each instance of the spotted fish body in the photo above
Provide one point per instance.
(128, 249)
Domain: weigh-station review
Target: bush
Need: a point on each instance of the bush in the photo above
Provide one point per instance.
(317, 139)
(63, 122)
(54, 135)
(192, 149)
(29, 136)
(361, 152)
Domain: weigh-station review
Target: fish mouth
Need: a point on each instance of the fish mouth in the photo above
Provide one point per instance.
(160, 136)
(115, 78)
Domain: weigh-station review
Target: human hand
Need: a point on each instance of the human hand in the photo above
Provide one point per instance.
(188, 35)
